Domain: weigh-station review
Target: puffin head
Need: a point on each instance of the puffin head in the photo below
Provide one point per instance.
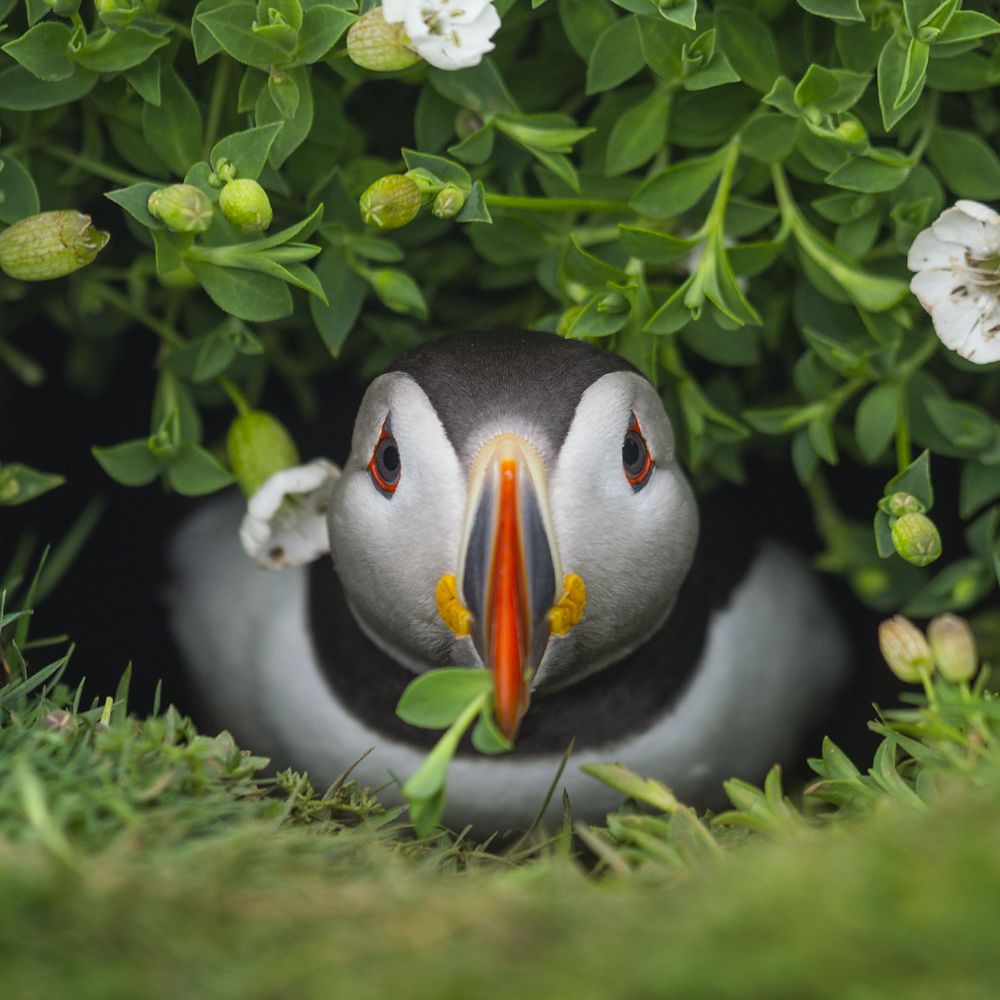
(512, 500)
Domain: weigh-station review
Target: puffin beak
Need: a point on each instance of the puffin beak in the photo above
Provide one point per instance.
(509, 571)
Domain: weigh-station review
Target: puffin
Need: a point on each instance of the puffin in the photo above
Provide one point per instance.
(513, 501)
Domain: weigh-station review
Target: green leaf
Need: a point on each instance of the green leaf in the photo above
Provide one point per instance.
(116, 51)
(617, 56)
(638, 134)
(965, 426)
(398, 291)
(748, 45)
(677, 188)
(437, 698)
(446, 171)
(769, 138)
(194, 472)
(42, 51)
(21, 483)
(653, 247)
(173, 130)
(486, 737)
(968, 166)
(130, 463)
(246, 151)
(133, 199)
(294, 130)
(585, 268)
(475, 208)
(860, 173)
(479, 88)
(243, 294)
(145, 80)
(205, 43)
(897, 79)
(345, 292)
(18, 194)
(980, 486)
(818, 84)
(915, 479)
(232, 27)
(283, 92)
(584, 21)
(875, 421)
(836, 10)
(966, 26)
(322, 26)
(22, 91)
(596, 322)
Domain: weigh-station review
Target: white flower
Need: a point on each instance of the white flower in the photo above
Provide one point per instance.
(449, 34)
(957, 262)
(285, 522)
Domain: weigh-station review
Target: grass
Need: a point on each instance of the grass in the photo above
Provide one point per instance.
(140, 858)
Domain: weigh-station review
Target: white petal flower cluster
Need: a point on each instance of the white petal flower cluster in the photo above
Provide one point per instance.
(449, 34)
(285, 522)
(957, 262)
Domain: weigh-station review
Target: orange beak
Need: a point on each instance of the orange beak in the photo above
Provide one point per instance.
(509, 571)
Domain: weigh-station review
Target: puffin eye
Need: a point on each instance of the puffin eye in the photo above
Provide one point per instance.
(637, 462)
(385, 466)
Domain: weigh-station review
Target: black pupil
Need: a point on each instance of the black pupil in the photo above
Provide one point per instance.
(633, 454)
(388, 460)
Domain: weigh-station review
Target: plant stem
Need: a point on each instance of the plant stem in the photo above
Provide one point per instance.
(237, 397)
(120, 302)
(96, 167)
(532, 204)
(220, 86)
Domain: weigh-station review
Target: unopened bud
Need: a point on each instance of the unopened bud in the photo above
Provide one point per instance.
(373, 43)
(117, 14)
(851, 131)
(915, 537)
(905, 649)
(953, 646)
(223, 173)
(182, 208)
(246, 205)
(449, 202)
(392, 201)
(49, 245)
(899, 504)
(258, 446)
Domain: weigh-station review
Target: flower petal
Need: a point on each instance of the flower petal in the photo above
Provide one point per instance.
(980, 238)
(928, 251)
(966, 316)
(285, 523)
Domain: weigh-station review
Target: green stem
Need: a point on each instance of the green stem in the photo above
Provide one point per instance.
(96, 167)
(118, 301)
(220, 85)
(532, 204)
(927, 132)
(716, 214)
(904, 453)
(237, 397)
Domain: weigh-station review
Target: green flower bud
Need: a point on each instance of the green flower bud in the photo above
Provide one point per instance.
(374, 44)
(905, 649)
(117, 14)
(64, 8)
(429, 185)
(49, 245)
(954, 647)
(871, 582)
(258, 446)
(392, 201)
(851, 131)
(246, 205)
(915, 537)
(182, 208)
(899, 504)
(449, 202)
(223, 173)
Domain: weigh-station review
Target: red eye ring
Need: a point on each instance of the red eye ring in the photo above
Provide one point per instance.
(637, 463)
(384, 466)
